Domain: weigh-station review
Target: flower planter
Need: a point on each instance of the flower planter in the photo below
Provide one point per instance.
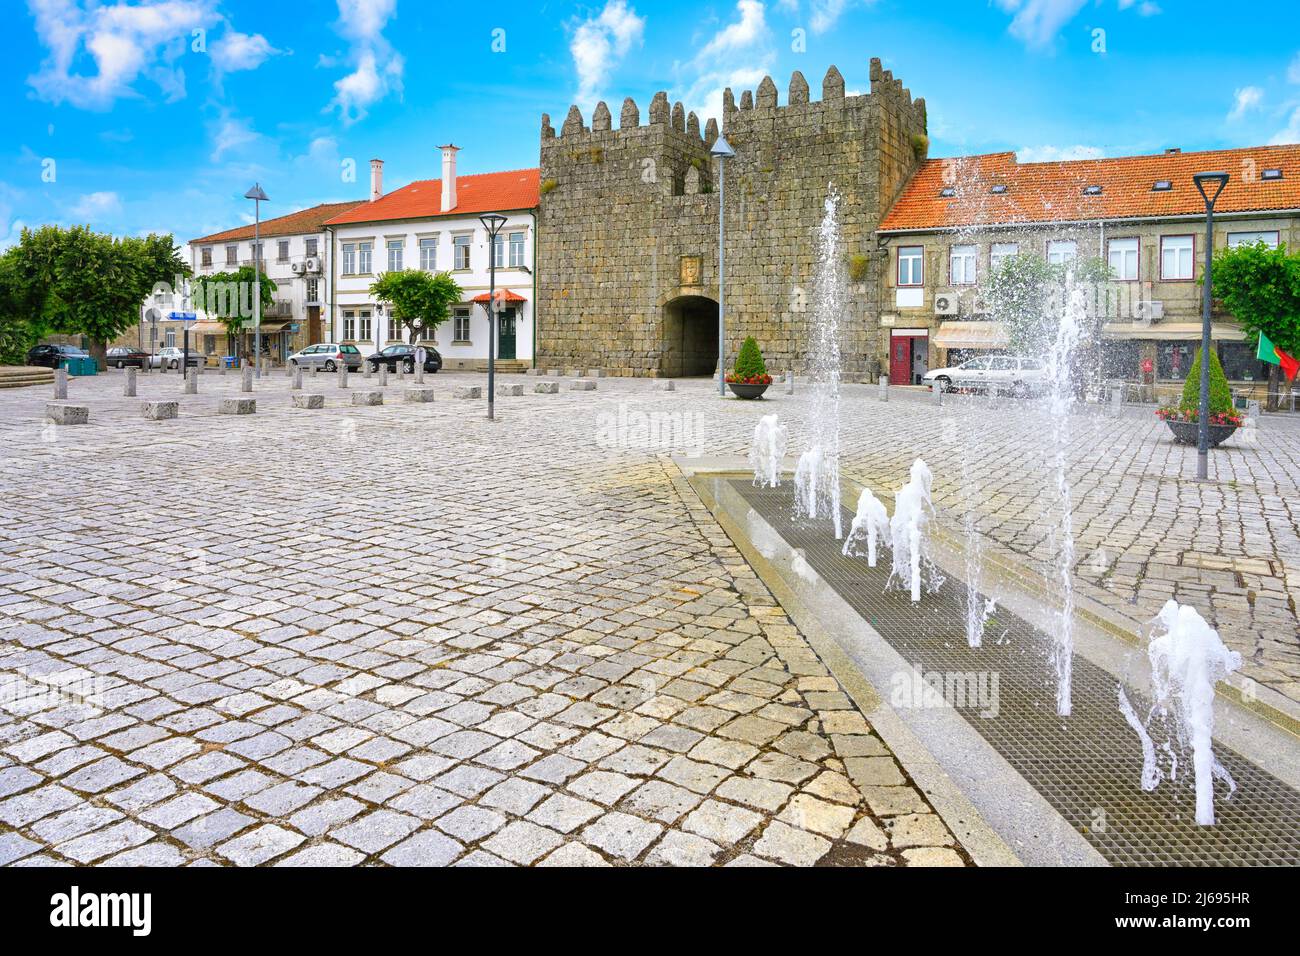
(1187, 433)
(746, 391)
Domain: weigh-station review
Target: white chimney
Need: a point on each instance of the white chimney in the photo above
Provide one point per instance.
(449, 176)
(376, 179)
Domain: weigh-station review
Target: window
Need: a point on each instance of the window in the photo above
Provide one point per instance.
(1274, 173)
(1092, 190)
(1162, 186)
(349, 258)
(1173, 359)
(460, 246)
(961, 265)
(460, 324)
(947, 192)
(363, 257)
(209, 345)
(311, 246)
(1240, 363)
(1122, 255)
(395, 255)
(349, 324)
(999, 189)
(395, 329)
(429, 255)
(1061, 251)
(257, 251)
(1270, 239)
(1176, 256)
(910, 270)
(516, 249)
(1000, 251)
(313, 290)
(205, 255)
(282, 251)
(499, 251)
(232, 255)
(171, 338)
(364, 331)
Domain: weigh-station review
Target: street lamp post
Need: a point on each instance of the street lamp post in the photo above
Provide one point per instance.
(258, 196)
(493, 223)
(1203, 418)
(723, 151)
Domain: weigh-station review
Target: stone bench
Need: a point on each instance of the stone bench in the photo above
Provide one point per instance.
(595, 373)
(64, 413)
(510, 390)
(553, 372)
(418, 394)
(469, 391)
(532, 371)
(573, 372)
(368, 398)
(583, 385)
(161, 411)
(308, 400)
(667, 385)
(547, 388)
(237, 406)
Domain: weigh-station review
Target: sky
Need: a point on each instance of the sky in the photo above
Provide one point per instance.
(138, 116)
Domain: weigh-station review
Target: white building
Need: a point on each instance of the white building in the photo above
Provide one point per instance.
(296, 256)
(433, 224)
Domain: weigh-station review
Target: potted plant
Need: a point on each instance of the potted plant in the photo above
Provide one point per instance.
(749, 379)
(1184, 418)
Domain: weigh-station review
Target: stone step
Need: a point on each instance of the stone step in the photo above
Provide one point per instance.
(22, 376)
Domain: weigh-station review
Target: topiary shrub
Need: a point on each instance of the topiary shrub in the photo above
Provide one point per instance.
(750, 368)
(1220, 393)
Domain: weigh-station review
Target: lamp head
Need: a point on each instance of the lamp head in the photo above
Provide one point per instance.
(722, 149)
(1207, 181)
(492, 222)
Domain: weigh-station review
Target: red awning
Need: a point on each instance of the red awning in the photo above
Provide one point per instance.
(507, 295)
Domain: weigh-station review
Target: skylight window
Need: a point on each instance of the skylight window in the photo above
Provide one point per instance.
(1162, 185)
(1272, 174)
(1092, 190)
(947, 192)
(999, 189)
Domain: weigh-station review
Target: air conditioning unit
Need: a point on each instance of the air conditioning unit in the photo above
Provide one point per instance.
(312, 263)
(298, 268)
(946, 303)
(1145, 311)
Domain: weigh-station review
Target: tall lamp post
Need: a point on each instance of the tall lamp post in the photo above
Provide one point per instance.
(723, 152)
(493, 223)
(258, 196)
(1216, 182)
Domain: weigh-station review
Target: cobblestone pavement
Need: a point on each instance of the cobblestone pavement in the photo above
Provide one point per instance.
(402, 634)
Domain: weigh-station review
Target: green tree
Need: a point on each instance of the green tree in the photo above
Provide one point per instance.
(1220, 392)
(1021, 290)
(420, 300)
(749, 360)
(20, 327)
(1261, 288)
(228, 298)
(76, 281)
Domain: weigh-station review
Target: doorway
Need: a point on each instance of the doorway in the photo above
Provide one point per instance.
(690, 337)
(313, 324)
(506, 334)
(908, 356)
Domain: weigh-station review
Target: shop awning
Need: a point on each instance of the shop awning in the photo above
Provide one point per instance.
(1172, 331)
(208, 328)
(971, 335)
(508, 295)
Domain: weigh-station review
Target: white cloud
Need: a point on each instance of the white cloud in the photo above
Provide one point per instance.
(1291, 134)
(826, 13)
(1246, 98)
(745, 42)
(741, 34)
(599, 44)
(123, 40)
(363, 23)
(94, 208)
(1056, 154)
(1036, 23)
(235, 51)
(230, 133)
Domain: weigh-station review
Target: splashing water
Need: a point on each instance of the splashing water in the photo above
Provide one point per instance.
(1151, 775)
(820, 496)
(871, 522)
(907, 532)
(768, 451)
(978, 607)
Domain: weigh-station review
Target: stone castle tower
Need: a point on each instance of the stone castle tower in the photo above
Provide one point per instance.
(628, 229)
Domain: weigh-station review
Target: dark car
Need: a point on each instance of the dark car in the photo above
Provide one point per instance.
(406, 355)
(51, 355)
(122, 357)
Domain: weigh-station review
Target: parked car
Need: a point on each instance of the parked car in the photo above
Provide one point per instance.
(1000, 374)
(406, 355)
(329, 356)
(172, 358)
(50, 356)
(122, 357)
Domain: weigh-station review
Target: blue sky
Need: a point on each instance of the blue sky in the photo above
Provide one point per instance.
(139, 116)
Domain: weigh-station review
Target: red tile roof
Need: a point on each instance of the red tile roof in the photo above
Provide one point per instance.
(484, 192)
(304, 221)
(1054, 192)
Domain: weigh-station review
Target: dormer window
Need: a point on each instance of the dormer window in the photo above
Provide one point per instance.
(947, 192)
(999, 189)
(1272, 174)
(1162, 186)
(1092, 190)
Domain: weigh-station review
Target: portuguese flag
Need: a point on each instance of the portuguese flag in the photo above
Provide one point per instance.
(1268, 352)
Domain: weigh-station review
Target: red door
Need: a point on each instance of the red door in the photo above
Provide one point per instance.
(900, 360)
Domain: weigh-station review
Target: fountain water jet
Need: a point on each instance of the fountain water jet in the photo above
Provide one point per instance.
(768, 451)
(907, 531)
(870, 522)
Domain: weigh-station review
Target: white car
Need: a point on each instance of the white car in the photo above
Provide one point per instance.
(173, 357)
(1007, 374)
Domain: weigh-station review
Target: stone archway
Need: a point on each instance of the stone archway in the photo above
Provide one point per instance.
(689, 344)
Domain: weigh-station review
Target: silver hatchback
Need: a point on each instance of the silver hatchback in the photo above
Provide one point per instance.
(328, 356)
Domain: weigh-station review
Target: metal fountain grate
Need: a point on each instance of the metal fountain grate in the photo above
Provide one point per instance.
(1087, 766)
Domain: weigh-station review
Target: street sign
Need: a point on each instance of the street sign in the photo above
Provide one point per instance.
(182, 316)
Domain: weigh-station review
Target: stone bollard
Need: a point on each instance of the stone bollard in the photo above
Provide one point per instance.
(419, 375)
(789, 383)
(553, 372)
(343, 376)
(60, 384)
(532, 371)
(547, 388)
(510, 390)
(882, 388)
(383, 376)
(128, 389)
(237, 406)
(315, 369)
(573, 372)
(365, 370)
(306, 400)
(1116, 399)
(595, 373)
(367, 398)
(468, 391)
(416, 394)
(400, 369)
(296, 384)
(583, 385)
(161, 411)
(666, 385)
(191, 383)
(62, 413)
(223, 369)
(936, 394)
(246, 380)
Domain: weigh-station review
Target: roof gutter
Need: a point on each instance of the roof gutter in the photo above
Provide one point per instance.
(536, 304)
(1046, 223)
